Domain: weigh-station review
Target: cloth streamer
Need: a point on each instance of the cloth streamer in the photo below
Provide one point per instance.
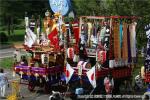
(128, 43)
(132, 28)
(124, 43)
(117, 51)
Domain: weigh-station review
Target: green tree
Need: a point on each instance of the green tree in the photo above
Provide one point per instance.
(118, 7)
(13, 10)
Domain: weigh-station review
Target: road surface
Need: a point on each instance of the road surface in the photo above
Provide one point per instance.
(6, 53)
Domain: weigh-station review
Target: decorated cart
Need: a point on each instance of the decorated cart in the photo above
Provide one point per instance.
(90, 49)
(106, 45)
(42, 61)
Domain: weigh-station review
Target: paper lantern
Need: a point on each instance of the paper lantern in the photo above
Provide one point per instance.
(79, 66)
(70, 53)
(102, 56)
(44, 59)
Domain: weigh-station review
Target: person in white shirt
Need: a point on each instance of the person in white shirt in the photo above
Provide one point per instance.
(3, 83)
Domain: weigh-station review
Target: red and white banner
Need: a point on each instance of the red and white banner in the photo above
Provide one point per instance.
(69, 72)
(91, 76)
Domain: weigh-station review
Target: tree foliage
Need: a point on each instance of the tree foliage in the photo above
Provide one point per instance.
(140, 8)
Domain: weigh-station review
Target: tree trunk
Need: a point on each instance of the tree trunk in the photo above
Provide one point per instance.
(12, 25)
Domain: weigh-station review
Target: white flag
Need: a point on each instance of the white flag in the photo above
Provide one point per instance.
(91, 76)
(30, 38)
(69, 72)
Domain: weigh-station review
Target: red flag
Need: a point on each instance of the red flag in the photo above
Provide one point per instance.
(53, 36)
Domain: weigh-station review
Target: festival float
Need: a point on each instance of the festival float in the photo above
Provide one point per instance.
(106, 47)
(43, 62)
(83, 52)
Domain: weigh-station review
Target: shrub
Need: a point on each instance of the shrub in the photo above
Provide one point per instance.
(3, 37)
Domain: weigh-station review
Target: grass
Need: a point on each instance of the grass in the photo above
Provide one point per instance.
(18, 36)
(6, 63)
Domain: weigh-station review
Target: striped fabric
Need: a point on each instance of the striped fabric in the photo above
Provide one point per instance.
(121, 33)
(132, 28)
(117, 50)
(124, 43)
(128, 43)
(111, 49)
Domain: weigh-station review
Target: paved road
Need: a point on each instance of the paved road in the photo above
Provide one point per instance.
(5, 53)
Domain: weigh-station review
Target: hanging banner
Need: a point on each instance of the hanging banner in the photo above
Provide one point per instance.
(62, 6)
(147, 57)
(106, 38)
